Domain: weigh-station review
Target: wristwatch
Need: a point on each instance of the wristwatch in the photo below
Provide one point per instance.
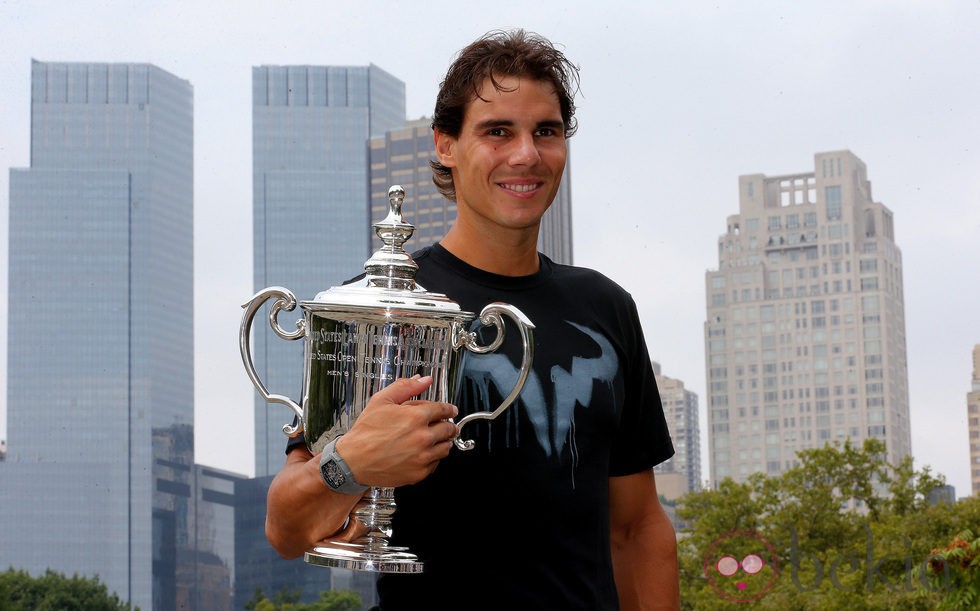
(335, 472)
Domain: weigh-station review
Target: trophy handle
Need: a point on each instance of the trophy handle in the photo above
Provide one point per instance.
(285, 300)
(491, 315)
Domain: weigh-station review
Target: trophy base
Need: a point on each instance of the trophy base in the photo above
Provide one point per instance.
(356, 557)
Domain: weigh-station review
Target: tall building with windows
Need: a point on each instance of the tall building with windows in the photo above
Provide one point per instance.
(805, 329)
(401, 157)
(682, 473)
(97, 479)
(310, 131)
(973, 414)
(211, 570)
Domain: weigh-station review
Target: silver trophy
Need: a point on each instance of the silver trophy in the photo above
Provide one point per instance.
(358, 339)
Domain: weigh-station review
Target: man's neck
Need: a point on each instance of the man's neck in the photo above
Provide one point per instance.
(514, 254)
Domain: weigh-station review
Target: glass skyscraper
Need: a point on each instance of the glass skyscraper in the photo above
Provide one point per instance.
(310, 129)
(97, 479)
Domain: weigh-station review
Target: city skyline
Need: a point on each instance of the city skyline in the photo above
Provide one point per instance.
(677, 103)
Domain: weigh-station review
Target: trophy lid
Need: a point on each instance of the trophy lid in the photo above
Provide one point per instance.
(389, 280)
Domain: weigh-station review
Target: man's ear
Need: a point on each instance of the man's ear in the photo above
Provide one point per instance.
(445, 148)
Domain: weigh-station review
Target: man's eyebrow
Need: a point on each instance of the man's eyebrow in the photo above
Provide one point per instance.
(491, 123)
(552, 123)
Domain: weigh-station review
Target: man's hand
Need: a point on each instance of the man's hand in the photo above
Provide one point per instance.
(396, 440)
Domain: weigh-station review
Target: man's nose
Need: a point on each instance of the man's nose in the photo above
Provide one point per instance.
(525, 151)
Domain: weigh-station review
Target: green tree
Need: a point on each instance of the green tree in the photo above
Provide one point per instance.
(55, 592)
(336, 600)
(956, 569)
(283, 600)
(286, 600)
(843, 530)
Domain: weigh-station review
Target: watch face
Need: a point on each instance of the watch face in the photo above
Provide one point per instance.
(332, 474)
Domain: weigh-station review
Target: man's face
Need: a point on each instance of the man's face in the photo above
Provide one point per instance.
(508, 159)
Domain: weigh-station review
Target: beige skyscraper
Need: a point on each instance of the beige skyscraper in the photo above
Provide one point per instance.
(805, 329)
(973, 411)
(682, 473)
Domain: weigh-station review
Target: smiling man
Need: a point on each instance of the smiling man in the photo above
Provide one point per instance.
(557, 507)
(506, 162)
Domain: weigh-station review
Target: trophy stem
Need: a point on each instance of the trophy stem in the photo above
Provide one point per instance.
(372, 551)
(375, 511)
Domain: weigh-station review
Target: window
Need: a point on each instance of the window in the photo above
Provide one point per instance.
(869, 265)
(832, 198)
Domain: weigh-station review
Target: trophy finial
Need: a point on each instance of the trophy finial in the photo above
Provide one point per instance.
(396, 195)
(390, 266)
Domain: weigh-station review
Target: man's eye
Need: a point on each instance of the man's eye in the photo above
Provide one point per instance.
(547, 131)
(496, 131)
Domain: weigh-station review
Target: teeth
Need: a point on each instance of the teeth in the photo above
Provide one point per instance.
(519, 188)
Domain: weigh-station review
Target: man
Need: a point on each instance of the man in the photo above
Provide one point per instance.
(557, 507)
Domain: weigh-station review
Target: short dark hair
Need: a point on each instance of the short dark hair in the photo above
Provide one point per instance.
(497, 54)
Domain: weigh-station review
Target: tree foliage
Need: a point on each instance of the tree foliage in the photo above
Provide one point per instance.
(957, 566)
(843, 530)
(55, 592)
(286, 600)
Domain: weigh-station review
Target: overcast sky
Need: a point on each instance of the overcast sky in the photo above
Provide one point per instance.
(678, 100)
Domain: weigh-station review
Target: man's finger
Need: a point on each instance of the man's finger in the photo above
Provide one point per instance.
(403, 389)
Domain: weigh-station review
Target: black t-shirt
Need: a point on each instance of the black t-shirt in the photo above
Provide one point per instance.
(522, 520)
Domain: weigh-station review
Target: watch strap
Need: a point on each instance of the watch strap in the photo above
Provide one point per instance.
(336, 473)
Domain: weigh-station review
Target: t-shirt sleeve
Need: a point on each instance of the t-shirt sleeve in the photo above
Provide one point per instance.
(295, 442)
(642, 440)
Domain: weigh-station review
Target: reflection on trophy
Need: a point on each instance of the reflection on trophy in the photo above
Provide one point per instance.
(358, 339)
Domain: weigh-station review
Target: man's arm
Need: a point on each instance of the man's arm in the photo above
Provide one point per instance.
(395, 441)
(300, 508)
(644, 547)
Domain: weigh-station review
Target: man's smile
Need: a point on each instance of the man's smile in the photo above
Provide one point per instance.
(519, 188)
